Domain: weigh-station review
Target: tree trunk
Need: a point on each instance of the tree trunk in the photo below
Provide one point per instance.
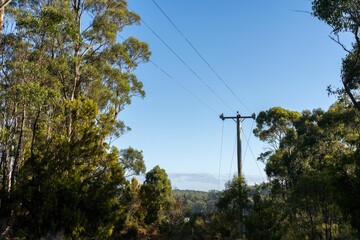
(2, 13)
(34, 132)
(4, 174)
(3, 4)
(77, 71)
(352, 98)
(18, 150)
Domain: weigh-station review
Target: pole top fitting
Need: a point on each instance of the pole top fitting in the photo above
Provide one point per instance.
(222, 116)
(253, 116)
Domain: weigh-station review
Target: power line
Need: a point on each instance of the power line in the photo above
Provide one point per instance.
(185, 64)
(232, 158)
(179, 84)
(247, 140)
(200, 55)
(252, 153)
(183, 87)
(239, 119)
(221, 150)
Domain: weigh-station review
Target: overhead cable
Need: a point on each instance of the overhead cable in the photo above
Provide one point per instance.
(232, 159)
(180, 85)
(183, 87)
(185, 64)
(252, 153)
(200, 55)
(221, 150)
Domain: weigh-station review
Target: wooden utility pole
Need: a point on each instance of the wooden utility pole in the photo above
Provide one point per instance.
(238, 119)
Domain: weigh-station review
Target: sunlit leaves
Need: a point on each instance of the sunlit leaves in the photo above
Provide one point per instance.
(274, 125)
(343, 16)
(156, 195)
(314, 162)
(64, 81)
(132, 161)
(339, 14)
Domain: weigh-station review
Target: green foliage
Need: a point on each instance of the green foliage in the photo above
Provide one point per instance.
(156, 196)
(232, 205)
(274, 125)
(64, 80)
(339, 14)
(306, 173)
(266, 218)
(343, 16)
(198, 201)
(132, 161)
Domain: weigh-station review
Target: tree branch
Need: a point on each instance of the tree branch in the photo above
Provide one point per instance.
(4, 4)
(337, 40)
(348, 90)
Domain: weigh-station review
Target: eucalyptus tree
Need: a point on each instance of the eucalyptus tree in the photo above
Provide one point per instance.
(276, 127)
(343, 16)
(65, 78)
(132, 162)
(305, 170)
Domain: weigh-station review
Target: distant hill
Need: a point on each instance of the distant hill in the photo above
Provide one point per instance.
(198, 201)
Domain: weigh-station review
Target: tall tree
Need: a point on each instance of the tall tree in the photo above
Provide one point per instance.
(132, 161)
(344, 16)
(65, 77)
(276, 127)
(305, 179)
(156, 195)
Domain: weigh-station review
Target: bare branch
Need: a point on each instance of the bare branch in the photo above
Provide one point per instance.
(346, 86)
(87, 50)
(357, 37)
(4, 4)
(337, 40)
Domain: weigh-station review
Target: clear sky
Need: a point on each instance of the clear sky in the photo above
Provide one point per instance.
(267, 52)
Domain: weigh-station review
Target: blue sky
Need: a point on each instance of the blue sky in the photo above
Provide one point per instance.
(267, 53)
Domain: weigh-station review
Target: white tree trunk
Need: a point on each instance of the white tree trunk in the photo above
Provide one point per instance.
(3, 4)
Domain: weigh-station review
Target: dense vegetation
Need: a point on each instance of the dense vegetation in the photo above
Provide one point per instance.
(65, 77)
(313, 171)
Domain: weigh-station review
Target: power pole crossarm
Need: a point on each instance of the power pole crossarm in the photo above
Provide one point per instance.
(238, 119)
